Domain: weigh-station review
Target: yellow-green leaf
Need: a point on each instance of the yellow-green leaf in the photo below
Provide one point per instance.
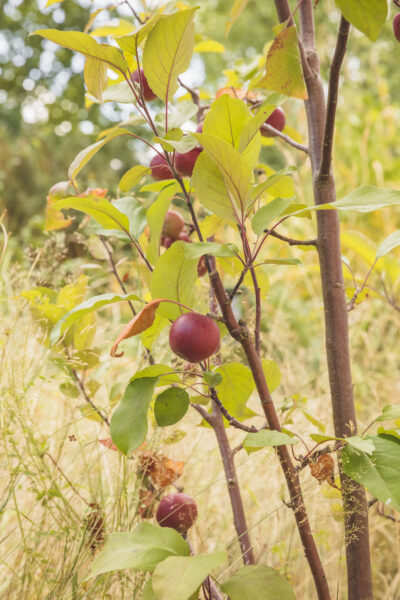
(209, 46)
(95, 75)
(155, 219)
(284, 71)
(168, 51)
(86, 45)
(236, 10)
(87, 154)
(174, 278)
(100, 209)
(132, 177)
(368, 16)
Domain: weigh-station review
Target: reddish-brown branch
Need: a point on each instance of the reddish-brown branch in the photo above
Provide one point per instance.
(239, 331)
(321, 127)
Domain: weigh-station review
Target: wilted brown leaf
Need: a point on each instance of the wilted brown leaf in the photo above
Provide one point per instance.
(140, 322)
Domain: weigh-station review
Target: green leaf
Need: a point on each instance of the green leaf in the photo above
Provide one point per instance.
(86, 307)
(95, 75)
(86, 45)
(226, 120)
(162, 372)
(209, 46)
(106, 215)
(252, 127)
(284, 73)
(380, 472)
(281, 261)
(119, 92)
(368, 16)
(142, 549)
(317, 437)
(278, 184)
(237, 377)
(258, 582)
(183, 145)
(129, 42)
(132, 177)
(367, 199)
(210, 188)
(171, 406)
(235, 170)
(168, 51)
(212, 378)
(87, 154)
(361, 443)
(272, 374)
(174, 278)
(267, 438)
(389, 412)
(178, 577)
(148, 592)
(183, 113)
(391, 242)
(236, 10)
(128, 426)
(155, 220)
(266, 214)
(136, 213)
(198, 249)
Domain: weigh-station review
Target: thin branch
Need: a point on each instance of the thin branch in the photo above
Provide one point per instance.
(114, 270)
(358, 291)
(333, 91)
(66, 478)
(88, 400)
(284, 137)
(291, 241)
(231, 420)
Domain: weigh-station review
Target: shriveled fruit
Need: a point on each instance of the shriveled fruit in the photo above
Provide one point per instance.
(194, 337)
(178, 511)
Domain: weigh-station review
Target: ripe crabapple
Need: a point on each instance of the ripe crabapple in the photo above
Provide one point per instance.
(194, 337)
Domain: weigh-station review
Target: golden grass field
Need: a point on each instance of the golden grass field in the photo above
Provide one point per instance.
(43, 542)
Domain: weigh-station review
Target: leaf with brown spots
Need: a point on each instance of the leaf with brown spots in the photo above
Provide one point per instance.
(284, 71)
(323, 469)
(140, 322)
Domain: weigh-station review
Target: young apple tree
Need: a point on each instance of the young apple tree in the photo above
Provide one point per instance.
(213, 203)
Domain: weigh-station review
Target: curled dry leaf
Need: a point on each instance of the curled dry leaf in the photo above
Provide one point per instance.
(140, 322)
(161, 470)
(323, 469)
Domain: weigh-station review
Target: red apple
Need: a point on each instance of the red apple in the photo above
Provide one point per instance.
(276, 119)
(139, 77)
(396, 27)
(173, 225)
(178, 511)
(185, 162)
(160, 169)
(194, 337)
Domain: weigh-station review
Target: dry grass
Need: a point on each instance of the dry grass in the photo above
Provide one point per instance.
(44, 542)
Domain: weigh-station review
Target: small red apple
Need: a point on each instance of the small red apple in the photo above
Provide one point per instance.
(185, 162)
(276, 119)
(194, 337)
(178, 511)
(396, 27)
(138, 76)
(160, 169)
(173, 225)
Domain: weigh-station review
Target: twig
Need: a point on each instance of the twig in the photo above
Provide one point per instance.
(291, 241)
(358, 291)
(268, 128)
(114, 270)
(231, 420)
(333, 91)
(88, 400)
(66, 478)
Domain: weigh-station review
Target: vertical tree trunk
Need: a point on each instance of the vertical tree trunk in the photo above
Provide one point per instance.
(321, 128)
